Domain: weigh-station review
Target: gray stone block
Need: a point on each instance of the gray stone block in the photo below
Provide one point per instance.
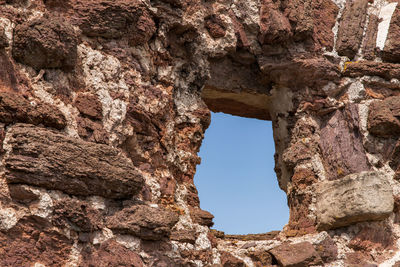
(354, 198)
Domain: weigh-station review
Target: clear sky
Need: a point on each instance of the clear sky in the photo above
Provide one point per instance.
(236, 179)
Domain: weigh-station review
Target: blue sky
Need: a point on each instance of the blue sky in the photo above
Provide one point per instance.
(236, 179)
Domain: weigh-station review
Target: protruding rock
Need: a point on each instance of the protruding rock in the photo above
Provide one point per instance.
(261, 258)
(274, 26)
(391, 50)
(371, 68)
(202, 217)
(325, 13)
(296, 255)
(69, 211)
(143, 221)
(16, 108)
(228, 260)
(358, 197)
(369, 44)
(44, 43)
(188, 236)
(52, 160)
(89, 105)
(351, 28)
(114, 19)
(215, 26)
(383, 117)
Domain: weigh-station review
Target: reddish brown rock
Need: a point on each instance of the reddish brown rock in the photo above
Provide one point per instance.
(33, 240)
(274, 26)
(303, 178)
(327, 250)
(228, 260)
(341, 145)
(351, 28)
(261, 258)
(201, 217)
(300, 15)
(358, 259)
(16, 108)
(383, 117)
(92, 131)
(22, 193)
(89, 105)
(391, 52)
(296, 255)
(300, 72)
(369, 44)
(373, 238)
(69, 211)
(54, 161)
(188, 236)
(45, 43)
(202, 255)
(110, 254)
(114, 19)
(215, 26)
(371, 68)
(143, 221)
(325, 13)
(8, 77)
(299, 222)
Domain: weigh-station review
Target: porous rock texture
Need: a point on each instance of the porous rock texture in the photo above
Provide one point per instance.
(104, 105)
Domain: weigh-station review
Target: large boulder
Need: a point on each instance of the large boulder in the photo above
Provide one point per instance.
(354, 198)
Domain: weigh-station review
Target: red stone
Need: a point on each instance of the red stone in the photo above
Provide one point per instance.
(215, 26)
(391, 52)
(382, 117)
(110, 254)
(369, 44)
(228, 260)
(325, 13)
(33, 240)
(296, 255)
(54, 47)
(89, 105)
(143, 221)
(351, 28)
(202, 217)
(274, 26)
(373, 238)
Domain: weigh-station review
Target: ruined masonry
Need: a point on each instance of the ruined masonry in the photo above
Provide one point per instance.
(104, 105)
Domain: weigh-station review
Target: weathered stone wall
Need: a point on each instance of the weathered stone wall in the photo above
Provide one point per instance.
(104, 104)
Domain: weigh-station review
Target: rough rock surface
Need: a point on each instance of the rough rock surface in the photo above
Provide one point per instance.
(45, 43)
(351, 28)
(364, 196)
(104, 105)
(145, 222)
(296, 255)
(51, 160)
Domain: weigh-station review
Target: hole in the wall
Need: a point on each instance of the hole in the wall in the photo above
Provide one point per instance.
(236, 179)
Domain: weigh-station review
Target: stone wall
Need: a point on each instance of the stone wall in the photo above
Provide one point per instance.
(104, 105)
